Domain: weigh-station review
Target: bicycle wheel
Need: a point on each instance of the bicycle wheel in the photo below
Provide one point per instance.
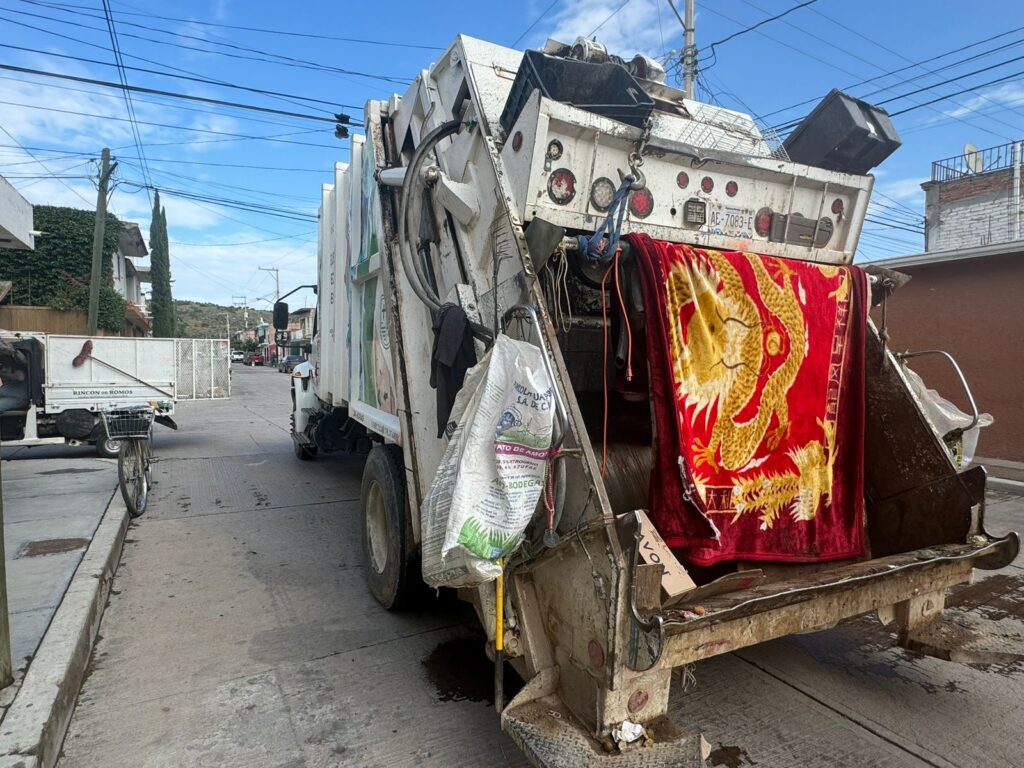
(132, 471)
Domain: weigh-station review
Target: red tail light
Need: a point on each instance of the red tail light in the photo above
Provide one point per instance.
(837, 206)
(682, 180)
(707, 184)
(641, 203)
(562, 186)
(732, 188)
(763, 222)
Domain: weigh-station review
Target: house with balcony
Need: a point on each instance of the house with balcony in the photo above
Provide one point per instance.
(130, 277)
(964, 294)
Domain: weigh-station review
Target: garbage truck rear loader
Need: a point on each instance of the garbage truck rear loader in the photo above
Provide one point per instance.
(473, 189)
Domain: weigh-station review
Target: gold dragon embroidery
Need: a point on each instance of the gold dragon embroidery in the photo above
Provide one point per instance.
(719, 357)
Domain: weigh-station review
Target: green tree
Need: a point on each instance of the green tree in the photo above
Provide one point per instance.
(162, 305)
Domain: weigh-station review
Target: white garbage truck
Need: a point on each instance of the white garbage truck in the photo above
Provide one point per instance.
(517, 197)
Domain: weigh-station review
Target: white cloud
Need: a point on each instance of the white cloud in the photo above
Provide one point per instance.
(905, 190)
(1002, 97)
(217, 271)
(635, 29)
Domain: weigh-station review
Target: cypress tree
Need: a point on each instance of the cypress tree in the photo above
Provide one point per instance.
(159, 256)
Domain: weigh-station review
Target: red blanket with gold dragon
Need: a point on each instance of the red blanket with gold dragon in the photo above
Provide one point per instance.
(757, 379)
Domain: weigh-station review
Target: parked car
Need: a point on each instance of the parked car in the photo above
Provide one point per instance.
(254, 358)
(287, 364)
(237, 356)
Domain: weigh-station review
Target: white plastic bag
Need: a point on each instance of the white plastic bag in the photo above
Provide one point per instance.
(945, 417)
(491, 474)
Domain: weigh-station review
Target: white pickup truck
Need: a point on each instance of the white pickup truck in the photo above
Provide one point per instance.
(53, 388)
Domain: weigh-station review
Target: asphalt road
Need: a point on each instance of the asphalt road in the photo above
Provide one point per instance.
(240, 633)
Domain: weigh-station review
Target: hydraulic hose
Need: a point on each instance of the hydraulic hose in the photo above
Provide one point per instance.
(414, 270)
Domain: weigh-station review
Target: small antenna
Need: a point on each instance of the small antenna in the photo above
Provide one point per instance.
(973, 158)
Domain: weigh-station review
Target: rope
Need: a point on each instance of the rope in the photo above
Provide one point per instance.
(601, 246)
(604, 373)
(625, 319)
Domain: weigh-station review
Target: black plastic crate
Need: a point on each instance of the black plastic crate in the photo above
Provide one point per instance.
(604, 89)
(843, 134)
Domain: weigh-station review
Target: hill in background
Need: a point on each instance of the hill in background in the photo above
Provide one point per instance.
(200, 320)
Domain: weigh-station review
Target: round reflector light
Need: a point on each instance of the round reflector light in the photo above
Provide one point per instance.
(763, 222)
(562, 186)
(682, 180)
(837, 206)
(732, 188)
(554, 149)
(641, 203)
(517, 141)
(601, 193)
(707, 184)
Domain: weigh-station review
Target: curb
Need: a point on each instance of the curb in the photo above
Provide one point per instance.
(1008, 486)
(32, 732)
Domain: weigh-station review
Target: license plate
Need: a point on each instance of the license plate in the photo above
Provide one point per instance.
(733, 222)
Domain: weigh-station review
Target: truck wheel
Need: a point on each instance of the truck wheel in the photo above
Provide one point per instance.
(107, 448)
(391, 573)
(302, 452)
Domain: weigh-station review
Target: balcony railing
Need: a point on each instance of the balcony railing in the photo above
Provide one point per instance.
(974, 163)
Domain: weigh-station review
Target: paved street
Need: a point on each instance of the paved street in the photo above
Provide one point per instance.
(240, 633)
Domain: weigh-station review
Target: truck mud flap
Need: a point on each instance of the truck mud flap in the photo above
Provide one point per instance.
(550, 737)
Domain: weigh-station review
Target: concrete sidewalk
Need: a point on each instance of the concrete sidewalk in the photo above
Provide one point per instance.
(64, 528)
(52, 507)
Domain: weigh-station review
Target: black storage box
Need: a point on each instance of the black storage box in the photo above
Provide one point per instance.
(604, 89)
(843, 134)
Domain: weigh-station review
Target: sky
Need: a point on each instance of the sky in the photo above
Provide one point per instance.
(241, 188)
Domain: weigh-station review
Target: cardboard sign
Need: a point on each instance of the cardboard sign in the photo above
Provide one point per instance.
(675, 580)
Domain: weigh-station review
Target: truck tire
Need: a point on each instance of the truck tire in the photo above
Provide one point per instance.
(302, 452)
(391, 573)
(107, 448)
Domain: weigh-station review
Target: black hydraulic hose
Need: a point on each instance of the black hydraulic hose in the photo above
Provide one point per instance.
(413, 269)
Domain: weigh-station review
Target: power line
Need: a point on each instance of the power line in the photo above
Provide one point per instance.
(893, 226)
(29, 153)
(170, 94)
(168, 125)
(116, 49)
(952, 80)
(918, 64)
(204, 80)
(276, 195)
(166, 103)
(247, 242)
(534, 23)
(131, 56)
(309, 35)
(875, 43)
(611, 16)
(958, 93)
(752, 27)
(174, 160)
(242, 205)
(281, 59)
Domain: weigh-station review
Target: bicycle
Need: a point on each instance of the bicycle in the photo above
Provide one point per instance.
(133, 428)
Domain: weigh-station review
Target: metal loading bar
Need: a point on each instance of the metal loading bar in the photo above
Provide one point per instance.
(821, 599)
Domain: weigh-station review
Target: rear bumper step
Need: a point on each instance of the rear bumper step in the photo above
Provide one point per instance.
(807, 602)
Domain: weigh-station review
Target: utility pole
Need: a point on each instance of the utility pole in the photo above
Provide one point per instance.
(689, 51)
(106, 170)
(277, 281)
(277, 297)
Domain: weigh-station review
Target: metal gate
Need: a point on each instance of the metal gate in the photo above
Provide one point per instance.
(203, 369)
